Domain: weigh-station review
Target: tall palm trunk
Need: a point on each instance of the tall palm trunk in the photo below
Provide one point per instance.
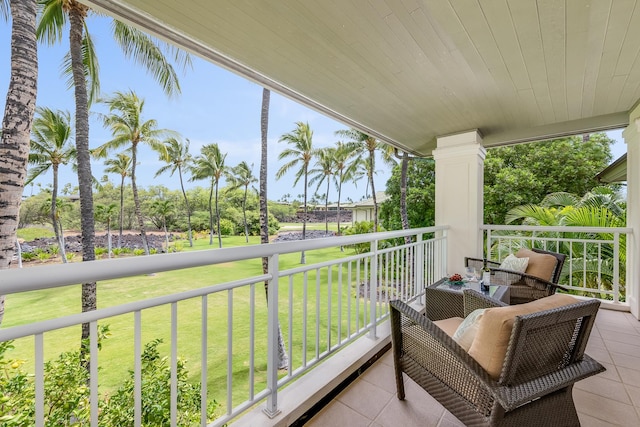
(77, 14)
(121, 212)
(16, 124)
(166, 234)
(218, 217)
(55, 220)
(136, 199)
(283, 358)
(264, 220)
(403, 195)
(244, 214)
(108, 238)
(304, 219)
(186, 203)
(326, 209)
(339, 195)
(211, 214)
(373, 189)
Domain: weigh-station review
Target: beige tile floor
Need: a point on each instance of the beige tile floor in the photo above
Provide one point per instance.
(611, 398)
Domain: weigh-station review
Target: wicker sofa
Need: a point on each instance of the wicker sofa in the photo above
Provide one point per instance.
(538, 281)
(529, 385)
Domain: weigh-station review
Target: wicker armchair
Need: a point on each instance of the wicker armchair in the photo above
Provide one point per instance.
(524, 287)
(545, 357)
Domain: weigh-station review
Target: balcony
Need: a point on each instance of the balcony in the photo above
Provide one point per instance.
(332, 317)
(609, 399)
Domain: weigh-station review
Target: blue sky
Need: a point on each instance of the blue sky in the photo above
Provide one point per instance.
(215, 106)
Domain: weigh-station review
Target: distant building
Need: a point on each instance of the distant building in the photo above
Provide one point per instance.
(363, 210)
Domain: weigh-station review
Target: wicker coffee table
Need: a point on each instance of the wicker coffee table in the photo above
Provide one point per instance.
(443, 300)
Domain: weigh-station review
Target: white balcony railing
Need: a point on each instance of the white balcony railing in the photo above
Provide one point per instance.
(319, 308)
(596, 257)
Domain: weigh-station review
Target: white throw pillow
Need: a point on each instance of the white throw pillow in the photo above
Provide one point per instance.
(514, 263)
(466, 332)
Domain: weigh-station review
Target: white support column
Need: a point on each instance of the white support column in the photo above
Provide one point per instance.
(632, 138)
(459, 162)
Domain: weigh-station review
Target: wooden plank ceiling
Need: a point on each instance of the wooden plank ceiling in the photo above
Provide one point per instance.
(408, 71)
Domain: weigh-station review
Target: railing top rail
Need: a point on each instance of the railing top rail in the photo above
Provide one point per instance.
(551, 239)
(558, 229)
(49, 276)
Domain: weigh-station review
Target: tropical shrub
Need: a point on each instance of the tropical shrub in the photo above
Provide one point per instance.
(28, 256)
(590, 265)
(117, 409)
(43, 255)
(66, 397)
(199, 221)
(177, 247)
(253, 221)
(226, 227)
(361, 227)
(99, 251)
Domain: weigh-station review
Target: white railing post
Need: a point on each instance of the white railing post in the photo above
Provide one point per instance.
(39, 379)
(488, 255)
(616, 267)
(418, 262)
(272, 339)
(137, 368)
(445, 252)
(93, 372)
(373, 289)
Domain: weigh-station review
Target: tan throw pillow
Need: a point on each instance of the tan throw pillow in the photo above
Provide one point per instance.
(512, 262)
(540, 265)
(494, 330)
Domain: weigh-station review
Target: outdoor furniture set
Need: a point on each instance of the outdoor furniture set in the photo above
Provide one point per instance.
(498, 364)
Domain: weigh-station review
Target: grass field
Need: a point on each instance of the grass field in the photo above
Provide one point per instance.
(116, 356)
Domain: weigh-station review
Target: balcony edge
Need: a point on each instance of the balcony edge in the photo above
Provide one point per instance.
(298, 398)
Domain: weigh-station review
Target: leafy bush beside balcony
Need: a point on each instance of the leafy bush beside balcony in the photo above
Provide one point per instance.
(67, 394)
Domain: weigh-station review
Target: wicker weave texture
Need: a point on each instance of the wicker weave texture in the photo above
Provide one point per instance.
(544, 359)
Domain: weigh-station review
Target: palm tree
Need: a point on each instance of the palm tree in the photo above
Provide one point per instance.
(367, 146)
(16, 123)
(600, 207)
(129, 129)
(81, 64)
(61, 205)
(143, 49)
(283, 358)
(404, 166)
(104, 213)
(120, 165)
(242, 176)
(264, 214)
(51, 147)
(300, 153)
(163, 208)
(210, 164)
(345, 168)
(324, 168)
(178, 158)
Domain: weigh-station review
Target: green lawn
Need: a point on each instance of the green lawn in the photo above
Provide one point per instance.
(116, 356)
(31, 233)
